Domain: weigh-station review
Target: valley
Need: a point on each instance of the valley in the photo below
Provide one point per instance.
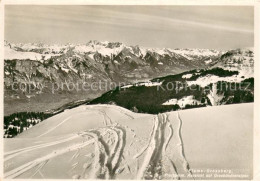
(51, 74)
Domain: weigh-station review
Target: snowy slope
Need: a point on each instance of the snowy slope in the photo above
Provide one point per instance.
(110, 142)
(191, 53)
(241, 60)
(11, 54)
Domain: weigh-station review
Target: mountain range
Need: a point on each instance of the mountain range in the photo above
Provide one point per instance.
(35, 72)
(154, 80)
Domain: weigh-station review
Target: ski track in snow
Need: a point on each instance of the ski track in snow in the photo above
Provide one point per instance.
(107, 161)
(107, 119)
(27, 166)
(185, 162)
(108, 157)
(155, 151)
(17, 152)
(145, 148)
(169, 126)
(50, 130)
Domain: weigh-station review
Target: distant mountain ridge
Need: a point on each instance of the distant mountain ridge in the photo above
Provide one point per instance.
(107, 48)
(40, 64)
(114, 58)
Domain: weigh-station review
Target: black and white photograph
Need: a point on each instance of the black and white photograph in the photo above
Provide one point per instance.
(128, 92)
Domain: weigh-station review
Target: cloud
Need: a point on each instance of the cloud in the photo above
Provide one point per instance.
(76, 16)
(149, 25)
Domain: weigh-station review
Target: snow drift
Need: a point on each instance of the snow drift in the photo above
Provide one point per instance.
(110, 142)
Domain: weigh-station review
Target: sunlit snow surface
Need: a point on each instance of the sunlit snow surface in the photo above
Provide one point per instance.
(146, 84)
(187, 100)
(110, 142)
(208, 79)
(10, 54)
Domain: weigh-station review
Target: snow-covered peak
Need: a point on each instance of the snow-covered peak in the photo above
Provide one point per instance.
(107, 48)
(241, 60)
(11, 54)
(112, 49)
(96, 42)
(191, 53)
(107, 44)
(102, 48)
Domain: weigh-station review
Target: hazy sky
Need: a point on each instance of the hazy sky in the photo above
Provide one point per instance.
(150, 26)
